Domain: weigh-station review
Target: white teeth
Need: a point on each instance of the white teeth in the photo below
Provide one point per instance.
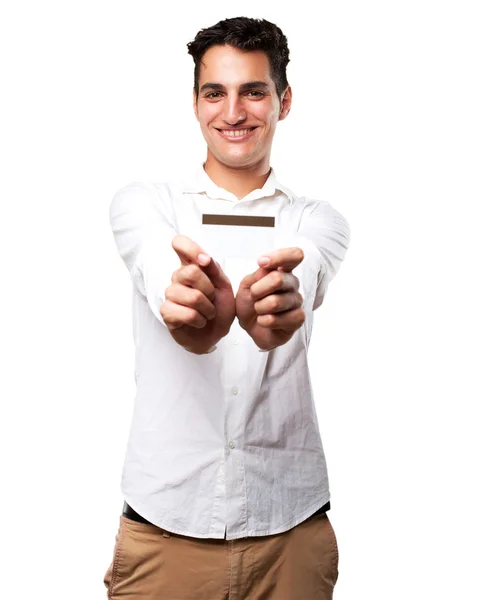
(236, 132)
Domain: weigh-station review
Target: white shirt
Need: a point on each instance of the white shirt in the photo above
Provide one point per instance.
(224, 444)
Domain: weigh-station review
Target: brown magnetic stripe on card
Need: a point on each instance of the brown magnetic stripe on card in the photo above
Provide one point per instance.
(248, 220)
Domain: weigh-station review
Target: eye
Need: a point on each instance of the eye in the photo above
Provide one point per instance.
(256, 93)
(213, 95)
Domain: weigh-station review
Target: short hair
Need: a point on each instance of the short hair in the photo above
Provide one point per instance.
(245, 34)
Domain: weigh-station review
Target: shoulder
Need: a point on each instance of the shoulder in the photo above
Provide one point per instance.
(144, 189)
(315, 207)
(320, 217)
(148, 194)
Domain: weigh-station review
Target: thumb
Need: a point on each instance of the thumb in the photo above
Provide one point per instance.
(189, 251)
(216, 274)
(248, 280)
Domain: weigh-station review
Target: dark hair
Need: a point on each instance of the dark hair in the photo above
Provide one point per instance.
(245, 34)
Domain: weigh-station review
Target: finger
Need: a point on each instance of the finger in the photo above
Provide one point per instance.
(176, 315)
(274, 281)
(216, 275)
(192, 298)
(288, 321)
(249, 280)
(193, 276)
(286, 258)
(189, 251)
(276, 303)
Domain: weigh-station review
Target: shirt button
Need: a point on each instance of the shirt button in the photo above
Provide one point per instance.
(235, 342)
(231, 445)
(234, 389)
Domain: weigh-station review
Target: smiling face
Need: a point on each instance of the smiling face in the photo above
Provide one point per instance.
(238, 107)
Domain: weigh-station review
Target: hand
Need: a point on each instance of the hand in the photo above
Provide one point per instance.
(268, 304)
(199, 307)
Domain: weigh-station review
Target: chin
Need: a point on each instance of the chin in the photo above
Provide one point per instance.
(236, 160)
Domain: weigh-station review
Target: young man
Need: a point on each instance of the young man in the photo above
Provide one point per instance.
(225, 480)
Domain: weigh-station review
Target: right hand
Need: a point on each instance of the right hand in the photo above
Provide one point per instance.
(199, 305)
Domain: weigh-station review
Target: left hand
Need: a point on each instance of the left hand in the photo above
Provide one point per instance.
(268, 304)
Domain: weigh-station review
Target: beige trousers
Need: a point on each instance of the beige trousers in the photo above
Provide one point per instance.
(150, 563)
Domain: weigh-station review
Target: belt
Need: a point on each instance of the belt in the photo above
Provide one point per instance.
(323, 509)
(132, 514)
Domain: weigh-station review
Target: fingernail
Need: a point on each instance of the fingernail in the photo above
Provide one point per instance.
(203, 258)
(263, 261)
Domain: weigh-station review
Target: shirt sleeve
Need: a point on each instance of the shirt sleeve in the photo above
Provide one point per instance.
(143, 223)
(324, 236)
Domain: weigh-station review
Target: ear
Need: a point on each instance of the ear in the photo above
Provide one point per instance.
(286, 100)
(195, 107)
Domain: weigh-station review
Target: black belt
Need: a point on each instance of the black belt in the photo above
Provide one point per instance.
(132, 514)
(323, 509)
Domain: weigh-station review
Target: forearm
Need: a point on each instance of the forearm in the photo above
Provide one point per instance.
(142, 226)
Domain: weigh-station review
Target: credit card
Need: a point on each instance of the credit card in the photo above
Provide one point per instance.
(237, 236)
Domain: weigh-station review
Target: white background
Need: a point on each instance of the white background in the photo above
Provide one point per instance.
(384, 125)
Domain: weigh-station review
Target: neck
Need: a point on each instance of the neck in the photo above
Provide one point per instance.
(238, 181)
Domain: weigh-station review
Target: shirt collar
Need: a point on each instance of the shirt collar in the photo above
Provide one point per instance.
(201, 182)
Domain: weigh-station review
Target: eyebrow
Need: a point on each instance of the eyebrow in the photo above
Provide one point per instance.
(243, 87)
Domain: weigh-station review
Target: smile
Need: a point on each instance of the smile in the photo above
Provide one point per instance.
(236, 134)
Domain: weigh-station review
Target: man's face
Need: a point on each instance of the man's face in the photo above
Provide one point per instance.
(238, 106)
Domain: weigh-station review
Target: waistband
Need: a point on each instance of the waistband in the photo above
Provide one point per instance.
(130, 513)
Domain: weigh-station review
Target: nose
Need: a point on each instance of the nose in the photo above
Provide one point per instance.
(233, 110)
